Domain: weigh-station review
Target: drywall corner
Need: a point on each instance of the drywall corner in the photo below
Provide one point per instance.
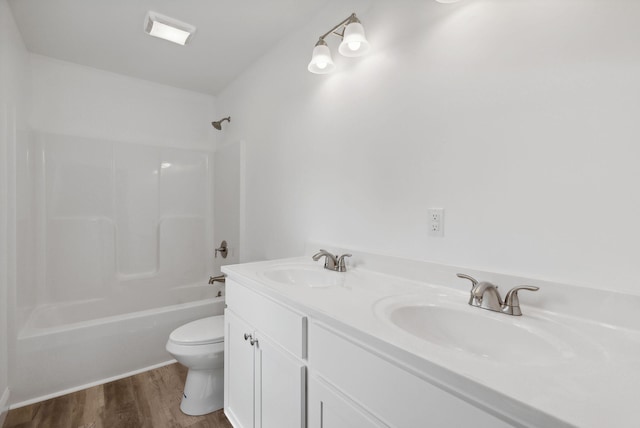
(4, 406)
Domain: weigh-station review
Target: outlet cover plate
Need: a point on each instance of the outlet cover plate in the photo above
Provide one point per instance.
(435, 222)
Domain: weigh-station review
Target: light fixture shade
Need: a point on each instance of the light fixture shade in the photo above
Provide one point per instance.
(167, 28)
(321, 62)
(354, 43)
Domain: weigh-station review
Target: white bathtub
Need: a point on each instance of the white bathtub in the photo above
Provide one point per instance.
(66, 347)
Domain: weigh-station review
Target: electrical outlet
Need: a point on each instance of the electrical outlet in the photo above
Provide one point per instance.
(436, 222)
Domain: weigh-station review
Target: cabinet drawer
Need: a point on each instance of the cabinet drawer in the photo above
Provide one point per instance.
(392, 394)
(283, 325)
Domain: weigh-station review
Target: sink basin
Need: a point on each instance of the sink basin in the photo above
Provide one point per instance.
(487, 335)
(304, 276)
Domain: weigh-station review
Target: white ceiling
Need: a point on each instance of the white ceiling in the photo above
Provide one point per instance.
(108, 34)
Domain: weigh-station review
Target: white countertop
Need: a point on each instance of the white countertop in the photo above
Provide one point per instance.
(595, 383)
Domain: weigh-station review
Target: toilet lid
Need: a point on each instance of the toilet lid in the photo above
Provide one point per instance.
(200, 332)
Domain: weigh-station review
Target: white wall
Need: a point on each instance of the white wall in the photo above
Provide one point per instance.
(70, 99)
(520, 118)
(13, 63)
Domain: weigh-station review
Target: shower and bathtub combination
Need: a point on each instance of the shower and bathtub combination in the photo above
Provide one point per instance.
(116, 247)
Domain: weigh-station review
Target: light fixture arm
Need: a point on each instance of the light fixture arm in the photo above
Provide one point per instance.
(343, 24)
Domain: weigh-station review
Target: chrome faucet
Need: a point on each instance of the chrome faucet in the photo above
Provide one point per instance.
(485, 295)
(331, 262)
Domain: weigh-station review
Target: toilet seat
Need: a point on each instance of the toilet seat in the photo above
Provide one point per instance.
(200, 332)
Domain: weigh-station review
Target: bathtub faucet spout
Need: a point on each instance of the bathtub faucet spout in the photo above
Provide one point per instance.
(219, 278)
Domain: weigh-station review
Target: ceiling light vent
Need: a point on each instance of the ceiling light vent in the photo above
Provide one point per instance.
(167, 28)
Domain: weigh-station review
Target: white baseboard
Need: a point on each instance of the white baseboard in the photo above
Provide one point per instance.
(4, 405)
(87, 385)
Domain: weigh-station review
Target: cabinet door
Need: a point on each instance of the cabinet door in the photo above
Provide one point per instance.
(280, 387)
(328, 409)
(238, 372)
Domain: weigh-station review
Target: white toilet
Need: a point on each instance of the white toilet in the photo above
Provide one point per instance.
(199, 346)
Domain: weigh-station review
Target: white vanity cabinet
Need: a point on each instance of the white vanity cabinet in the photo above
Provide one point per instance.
(302, 372)
(265, 377)
(356, 386)
(377, 346)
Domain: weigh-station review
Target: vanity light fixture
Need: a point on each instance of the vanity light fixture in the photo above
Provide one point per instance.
(354, 43)
(167, 28)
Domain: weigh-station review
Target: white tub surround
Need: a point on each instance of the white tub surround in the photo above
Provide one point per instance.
(570, 360)
(113, 252)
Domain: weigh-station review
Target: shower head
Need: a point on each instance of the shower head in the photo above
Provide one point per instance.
(218, 124)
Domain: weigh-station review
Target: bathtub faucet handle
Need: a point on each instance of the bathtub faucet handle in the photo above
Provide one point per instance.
(223, 249)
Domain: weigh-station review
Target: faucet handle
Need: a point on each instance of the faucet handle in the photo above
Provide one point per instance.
(511, 304)
(474, 281)
(322, 253)
(342, 267)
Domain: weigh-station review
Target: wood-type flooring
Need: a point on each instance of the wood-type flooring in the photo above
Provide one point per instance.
(146, 400)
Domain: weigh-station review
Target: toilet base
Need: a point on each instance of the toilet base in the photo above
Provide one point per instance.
(203, 392)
